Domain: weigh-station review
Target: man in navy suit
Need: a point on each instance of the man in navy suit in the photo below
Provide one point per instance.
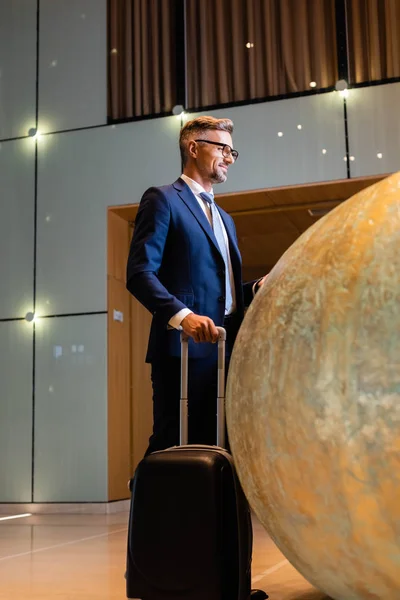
(184, 266)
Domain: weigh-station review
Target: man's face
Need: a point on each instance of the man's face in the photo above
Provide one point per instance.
(210, 161)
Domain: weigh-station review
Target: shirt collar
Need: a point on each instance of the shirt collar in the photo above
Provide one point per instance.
(196, 188)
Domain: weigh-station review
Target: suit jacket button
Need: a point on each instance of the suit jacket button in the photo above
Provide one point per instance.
(221, 299)
(221, 273)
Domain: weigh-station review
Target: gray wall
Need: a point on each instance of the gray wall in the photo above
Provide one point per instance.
(82, 167)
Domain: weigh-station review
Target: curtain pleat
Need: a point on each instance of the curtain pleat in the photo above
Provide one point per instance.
(248, 49)
(142, 57)
(374, 39)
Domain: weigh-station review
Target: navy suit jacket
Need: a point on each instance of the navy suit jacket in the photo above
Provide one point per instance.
(174, 263)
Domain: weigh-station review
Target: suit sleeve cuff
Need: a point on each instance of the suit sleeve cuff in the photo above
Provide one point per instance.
(177, 319)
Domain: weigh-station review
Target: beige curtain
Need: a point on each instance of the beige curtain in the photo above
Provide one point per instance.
(240, 50)
(142, 57)
(374, 39)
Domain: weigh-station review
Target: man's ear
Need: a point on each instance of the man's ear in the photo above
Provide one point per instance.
(192, 149)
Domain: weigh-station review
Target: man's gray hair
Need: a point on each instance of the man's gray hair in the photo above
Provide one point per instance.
(197, 128)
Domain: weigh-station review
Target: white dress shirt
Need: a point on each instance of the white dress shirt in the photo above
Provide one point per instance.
(197, 189)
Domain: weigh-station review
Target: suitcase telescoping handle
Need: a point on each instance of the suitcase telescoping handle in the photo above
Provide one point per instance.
(221, 389)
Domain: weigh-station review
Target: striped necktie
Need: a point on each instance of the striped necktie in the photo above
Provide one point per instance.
(219, 235)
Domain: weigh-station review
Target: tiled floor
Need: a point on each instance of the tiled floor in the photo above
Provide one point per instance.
(82, 557)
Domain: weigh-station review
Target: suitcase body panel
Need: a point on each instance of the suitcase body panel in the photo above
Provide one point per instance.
(189, 528)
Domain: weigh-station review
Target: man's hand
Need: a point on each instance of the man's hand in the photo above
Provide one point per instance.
(201, 329)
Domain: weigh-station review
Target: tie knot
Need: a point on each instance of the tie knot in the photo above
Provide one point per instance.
(209, 198)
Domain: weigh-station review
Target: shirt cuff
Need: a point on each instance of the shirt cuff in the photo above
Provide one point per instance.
(255, 285)
(177, 319)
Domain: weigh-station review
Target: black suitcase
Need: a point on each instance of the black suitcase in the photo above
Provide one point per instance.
(190, 534)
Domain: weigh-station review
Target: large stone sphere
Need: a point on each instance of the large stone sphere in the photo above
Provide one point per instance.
(313, 399)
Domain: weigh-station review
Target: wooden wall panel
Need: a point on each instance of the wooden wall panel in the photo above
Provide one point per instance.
(325, 191)
(141, 390)
(118, 246)
(130, 410)
(120, 458)
(119, 362)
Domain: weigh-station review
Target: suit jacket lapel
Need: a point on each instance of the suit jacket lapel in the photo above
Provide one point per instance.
(236, 259)
(231, 237)
(190, 200)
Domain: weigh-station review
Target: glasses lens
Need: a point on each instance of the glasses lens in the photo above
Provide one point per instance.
(226, 151)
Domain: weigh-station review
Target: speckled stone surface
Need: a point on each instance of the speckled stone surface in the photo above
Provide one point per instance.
(313, 399)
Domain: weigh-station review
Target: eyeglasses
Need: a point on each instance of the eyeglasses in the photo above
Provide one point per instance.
(226, 149)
